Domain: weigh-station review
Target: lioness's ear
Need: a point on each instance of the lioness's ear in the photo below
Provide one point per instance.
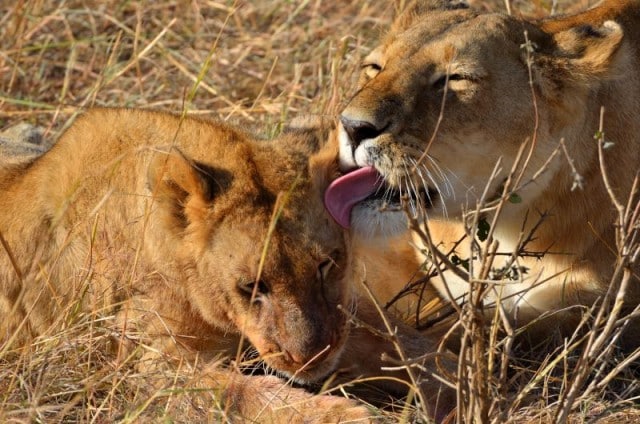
(591, 50)
(420, 6)
(578, 57)
(408, 11)
(185, 189)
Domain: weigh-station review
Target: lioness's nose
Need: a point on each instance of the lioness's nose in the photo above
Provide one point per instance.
(359, 131)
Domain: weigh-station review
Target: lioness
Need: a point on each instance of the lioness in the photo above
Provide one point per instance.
(452, 94)
(194, 233)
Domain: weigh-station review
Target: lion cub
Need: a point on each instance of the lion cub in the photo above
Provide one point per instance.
(194, 233)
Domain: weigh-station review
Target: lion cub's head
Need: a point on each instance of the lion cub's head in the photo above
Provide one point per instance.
(261, 255)
(449, 93)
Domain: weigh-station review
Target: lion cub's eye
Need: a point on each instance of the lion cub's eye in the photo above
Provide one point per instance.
(248, 287)
(324, 268)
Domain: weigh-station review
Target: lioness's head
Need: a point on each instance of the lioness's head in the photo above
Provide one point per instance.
(450, 92)
(261, 254)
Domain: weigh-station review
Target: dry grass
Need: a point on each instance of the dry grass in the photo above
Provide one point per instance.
(586, 377)
(252, 63)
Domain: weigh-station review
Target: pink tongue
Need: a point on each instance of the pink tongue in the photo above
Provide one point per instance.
(343, 193)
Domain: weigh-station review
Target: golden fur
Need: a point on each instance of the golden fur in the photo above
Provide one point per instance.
(502, 82)
(164, 221)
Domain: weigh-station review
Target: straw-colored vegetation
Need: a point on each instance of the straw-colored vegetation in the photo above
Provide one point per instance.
(255, 64)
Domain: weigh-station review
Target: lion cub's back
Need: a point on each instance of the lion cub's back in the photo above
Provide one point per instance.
(114, 144)
(102, 133)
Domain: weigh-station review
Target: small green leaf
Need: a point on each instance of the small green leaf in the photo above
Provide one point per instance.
(483, 229)
(515, 198)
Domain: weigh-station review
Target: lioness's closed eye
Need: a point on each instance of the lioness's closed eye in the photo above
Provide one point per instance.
(451, 93)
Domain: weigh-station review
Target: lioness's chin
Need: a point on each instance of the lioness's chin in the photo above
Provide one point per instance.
(371, 220)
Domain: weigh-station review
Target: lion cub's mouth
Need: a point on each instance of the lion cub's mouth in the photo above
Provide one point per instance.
(367, 185)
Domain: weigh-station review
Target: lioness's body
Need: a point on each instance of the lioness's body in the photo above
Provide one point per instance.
(163, 221)
(505, 82)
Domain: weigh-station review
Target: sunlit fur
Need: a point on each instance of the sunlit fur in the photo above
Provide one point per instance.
(501, 82)
(162, 221)
(189, 196)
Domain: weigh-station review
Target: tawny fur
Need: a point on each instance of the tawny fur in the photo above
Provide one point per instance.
(163, 221)
(576, 65)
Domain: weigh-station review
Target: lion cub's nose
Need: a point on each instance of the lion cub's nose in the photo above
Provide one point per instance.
(308, 359)
(359, 131)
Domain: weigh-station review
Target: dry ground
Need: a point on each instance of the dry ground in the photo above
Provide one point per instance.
(253, 63)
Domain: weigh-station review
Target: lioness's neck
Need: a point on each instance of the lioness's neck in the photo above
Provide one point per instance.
(569, 220)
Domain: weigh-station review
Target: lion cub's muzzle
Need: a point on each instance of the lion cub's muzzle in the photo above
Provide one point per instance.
(304, 341)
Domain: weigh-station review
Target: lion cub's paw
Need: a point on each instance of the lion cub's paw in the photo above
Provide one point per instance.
(270, 399)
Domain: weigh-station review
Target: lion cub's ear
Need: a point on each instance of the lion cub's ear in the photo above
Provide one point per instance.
(184, 188)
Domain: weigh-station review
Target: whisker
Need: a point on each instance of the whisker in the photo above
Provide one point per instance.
(386, 196)
(400, 180)
(443, 177)
(429, 176)
(433, 180)
(425, 186)
(414, 204)
(438, 191)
